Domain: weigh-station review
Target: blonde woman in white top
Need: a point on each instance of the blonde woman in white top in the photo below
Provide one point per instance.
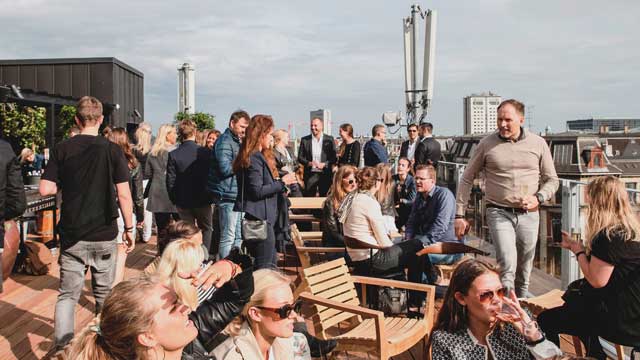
(362, 220)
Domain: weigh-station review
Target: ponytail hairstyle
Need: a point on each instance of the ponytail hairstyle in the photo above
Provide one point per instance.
(124, 316)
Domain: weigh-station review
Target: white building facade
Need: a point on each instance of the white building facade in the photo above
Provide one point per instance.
(480, 113)
(325, 116)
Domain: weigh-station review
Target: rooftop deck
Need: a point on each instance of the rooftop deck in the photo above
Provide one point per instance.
(27, 308)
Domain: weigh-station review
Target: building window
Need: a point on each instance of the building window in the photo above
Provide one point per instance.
(633, 196)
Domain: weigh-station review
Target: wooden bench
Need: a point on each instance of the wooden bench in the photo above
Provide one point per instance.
(308, 203)
(337, 313)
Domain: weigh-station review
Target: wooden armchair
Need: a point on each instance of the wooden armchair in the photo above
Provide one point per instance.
(446, 270)
(337, 313)
(305, 255)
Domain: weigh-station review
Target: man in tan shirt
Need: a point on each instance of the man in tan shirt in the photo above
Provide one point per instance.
(519, 176)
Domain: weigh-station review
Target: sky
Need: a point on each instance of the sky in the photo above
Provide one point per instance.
(564, 59)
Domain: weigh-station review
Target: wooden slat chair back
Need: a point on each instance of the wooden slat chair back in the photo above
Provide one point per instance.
(331, 280)
(308, 255)
(337, 314)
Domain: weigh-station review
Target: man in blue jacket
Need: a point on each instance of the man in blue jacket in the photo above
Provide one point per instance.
(222, 181)
(374, 150)
(432, 216)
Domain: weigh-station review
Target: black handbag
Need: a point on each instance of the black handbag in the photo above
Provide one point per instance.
(582, 297)
(252, 229)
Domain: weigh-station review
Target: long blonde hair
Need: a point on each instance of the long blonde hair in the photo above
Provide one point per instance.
(143, 138)
(124, 316)
(263, 280)
(386, 188)
(181, 256)
(161, 143)
(610, 210)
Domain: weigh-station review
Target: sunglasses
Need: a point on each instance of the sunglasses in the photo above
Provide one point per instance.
(413, 130)
(350, 181)
(380, 180)
(285, 310)
(489, 295)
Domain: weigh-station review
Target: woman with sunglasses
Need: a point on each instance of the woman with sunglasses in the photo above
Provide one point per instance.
(265, 328)
(478, 321)
(344, 182)
(362, 220)
(145, 319)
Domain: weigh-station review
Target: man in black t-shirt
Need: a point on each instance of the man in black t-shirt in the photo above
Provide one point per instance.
(93, 175)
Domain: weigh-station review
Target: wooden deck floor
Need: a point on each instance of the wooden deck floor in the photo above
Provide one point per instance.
(28, 302)
(27, 308)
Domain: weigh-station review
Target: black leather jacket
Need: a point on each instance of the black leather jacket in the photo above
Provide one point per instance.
(212, 316)
(332, 229)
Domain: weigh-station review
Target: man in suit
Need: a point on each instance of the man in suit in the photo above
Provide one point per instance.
(12, 201)
(317, 153)
(374, 150)
(408, 148)
(187, 171)
(428, 150)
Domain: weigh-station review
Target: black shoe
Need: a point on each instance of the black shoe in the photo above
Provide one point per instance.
(321, 347)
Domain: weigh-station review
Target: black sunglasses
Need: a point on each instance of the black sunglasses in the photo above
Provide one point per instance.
(489, 295)
(285, 310)
(351, 181)
(413, 130)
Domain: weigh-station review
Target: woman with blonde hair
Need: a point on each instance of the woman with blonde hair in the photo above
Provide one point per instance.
(119, 137)
(265, 328)
(144, 319)
(385, 197)
(286, 163)
(344, 182)
(141, 151)
(182, 256)
(156, 170)
(609, 258)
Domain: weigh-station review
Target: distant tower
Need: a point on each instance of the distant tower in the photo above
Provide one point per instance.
(186, 89)
(480, 113)
(325, 116)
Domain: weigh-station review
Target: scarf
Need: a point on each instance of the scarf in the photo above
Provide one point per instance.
(345, 207)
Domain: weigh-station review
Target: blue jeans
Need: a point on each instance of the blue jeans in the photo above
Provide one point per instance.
(230, 228)
(100, 258)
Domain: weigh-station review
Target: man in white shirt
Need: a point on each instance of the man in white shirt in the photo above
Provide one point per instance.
(408, 148)
(317, 153)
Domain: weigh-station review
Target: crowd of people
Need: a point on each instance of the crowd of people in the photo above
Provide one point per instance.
(220, 203)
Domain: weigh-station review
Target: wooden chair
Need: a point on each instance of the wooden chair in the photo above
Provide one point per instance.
(446, 270)
(305, 255)
(337, 313)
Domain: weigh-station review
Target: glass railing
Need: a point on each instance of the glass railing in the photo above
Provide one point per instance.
(565, 212)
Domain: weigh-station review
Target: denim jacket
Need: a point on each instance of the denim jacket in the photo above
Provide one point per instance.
(222, 181)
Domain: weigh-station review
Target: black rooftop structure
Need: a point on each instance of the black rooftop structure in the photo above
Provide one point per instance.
(44, 82)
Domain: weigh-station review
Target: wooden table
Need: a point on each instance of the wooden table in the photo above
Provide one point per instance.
(306, 202)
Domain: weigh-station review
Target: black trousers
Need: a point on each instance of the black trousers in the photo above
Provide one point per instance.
(563, 320)
(399, 256)
(263, 252)
(162, 222)
(317, 182)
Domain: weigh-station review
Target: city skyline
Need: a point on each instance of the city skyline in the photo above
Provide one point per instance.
(279, 58)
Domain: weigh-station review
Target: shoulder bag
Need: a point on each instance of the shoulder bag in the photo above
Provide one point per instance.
(252, 230)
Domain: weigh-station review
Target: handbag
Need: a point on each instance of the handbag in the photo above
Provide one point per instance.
(582, 297)
(252, 229)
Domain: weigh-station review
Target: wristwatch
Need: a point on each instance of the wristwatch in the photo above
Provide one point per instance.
(540, 198)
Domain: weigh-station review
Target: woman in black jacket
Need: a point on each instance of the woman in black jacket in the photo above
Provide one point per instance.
(143, 318)
(260, 186)
(349, 152)
(344, 182)
(119, 137)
